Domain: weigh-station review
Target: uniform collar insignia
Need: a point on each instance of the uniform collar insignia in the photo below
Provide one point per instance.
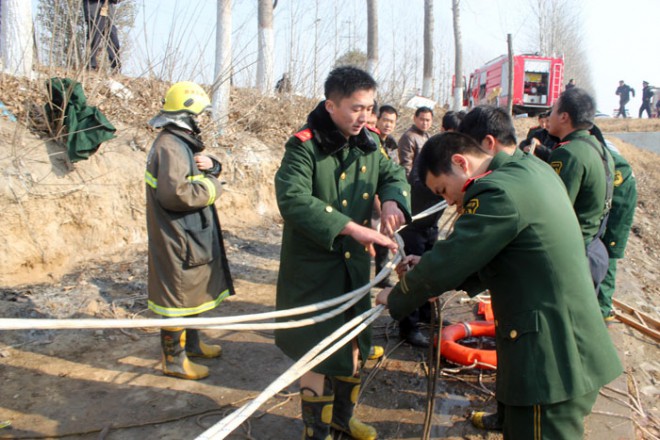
(471, 180)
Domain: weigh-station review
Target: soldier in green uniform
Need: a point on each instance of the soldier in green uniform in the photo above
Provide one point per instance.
(330, 174)
(519, 232)
(586, 168)
(619, 222)
(492, 128)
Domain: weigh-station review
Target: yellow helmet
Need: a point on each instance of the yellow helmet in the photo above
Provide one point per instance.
(186, 96)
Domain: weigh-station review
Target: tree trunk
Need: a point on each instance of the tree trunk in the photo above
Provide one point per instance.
(222, 75)
(427, 84)
(458, 57)
(16, 39)
(265, 78)
(372, 37)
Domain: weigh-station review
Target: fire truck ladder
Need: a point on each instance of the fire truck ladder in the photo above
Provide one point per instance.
(556, 82)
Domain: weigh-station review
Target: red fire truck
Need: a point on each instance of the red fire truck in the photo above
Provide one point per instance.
(537, 83)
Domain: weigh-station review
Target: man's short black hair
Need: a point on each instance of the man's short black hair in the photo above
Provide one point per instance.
(489, 120)
(451, 120)
(421, 110)
(580, 107)
(387, 109)
(436, 154)
(343, 81)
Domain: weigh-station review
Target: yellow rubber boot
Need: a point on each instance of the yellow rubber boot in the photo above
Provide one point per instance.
(316, 415)
(376, 352)
(347, 390)
(196, 348)
(175, 361)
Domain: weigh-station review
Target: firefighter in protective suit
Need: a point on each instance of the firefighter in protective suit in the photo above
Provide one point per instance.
(188, 270)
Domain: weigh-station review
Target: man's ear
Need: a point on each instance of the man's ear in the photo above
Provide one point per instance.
(460, 161)
(329, 106)
(489, 143)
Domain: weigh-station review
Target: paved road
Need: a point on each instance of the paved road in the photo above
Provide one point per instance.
(649, 140)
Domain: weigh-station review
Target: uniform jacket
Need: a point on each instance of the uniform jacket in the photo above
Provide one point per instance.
(520, 234)
(323, 183)
(188, 270)
(624, 201)
(87, 128)
(580, 166)
(624, 92)
(410, 145)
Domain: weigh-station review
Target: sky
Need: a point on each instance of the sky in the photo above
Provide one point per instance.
(175, 40)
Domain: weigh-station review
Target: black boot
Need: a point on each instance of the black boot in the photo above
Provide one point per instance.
(484, 420)
(316, 415)
(347, 390)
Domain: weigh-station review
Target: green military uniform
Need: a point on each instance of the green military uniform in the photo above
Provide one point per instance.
(579, 165)
(624, 200)
(520, 234)
(323, 183)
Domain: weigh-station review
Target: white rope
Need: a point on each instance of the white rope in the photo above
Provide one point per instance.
(225, 323)
(432, 210)
(314, 357)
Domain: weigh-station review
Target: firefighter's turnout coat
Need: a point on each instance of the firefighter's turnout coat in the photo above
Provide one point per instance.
(188, 270)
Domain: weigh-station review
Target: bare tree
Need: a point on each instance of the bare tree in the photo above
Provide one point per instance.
(265, 79)
(427, 84)
(559, 33)
(372, 37)
(458, 56)
(223, 49)
(16, 39)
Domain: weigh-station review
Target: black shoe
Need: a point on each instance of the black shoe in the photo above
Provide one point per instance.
(416, 339)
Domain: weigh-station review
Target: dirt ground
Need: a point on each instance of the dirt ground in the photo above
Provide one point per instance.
(75, 241)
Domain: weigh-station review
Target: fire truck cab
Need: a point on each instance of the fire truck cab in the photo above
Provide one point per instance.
(537, 83)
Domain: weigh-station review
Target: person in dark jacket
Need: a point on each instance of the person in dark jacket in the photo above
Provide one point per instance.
(647, 96)
(188, 268)
(623, 92)
(538, 140)
(100, 16)
(330, 174)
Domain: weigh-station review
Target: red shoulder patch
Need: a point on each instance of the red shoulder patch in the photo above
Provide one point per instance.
(471, 180)
(561, 144)
(304, 135)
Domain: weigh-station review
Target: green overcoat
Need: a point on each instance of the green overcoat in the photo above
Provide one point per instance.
(581, 168)
(519, 232)
(323, 183)
(624, 201)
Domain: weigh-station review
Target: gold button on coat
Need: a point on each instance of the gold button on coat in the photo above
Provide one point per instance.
(405, 193)
(328, 208)
(365, 196)
(513, 334)
(343, 176)
(347, 255)
(363, 169)
(344, 203)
